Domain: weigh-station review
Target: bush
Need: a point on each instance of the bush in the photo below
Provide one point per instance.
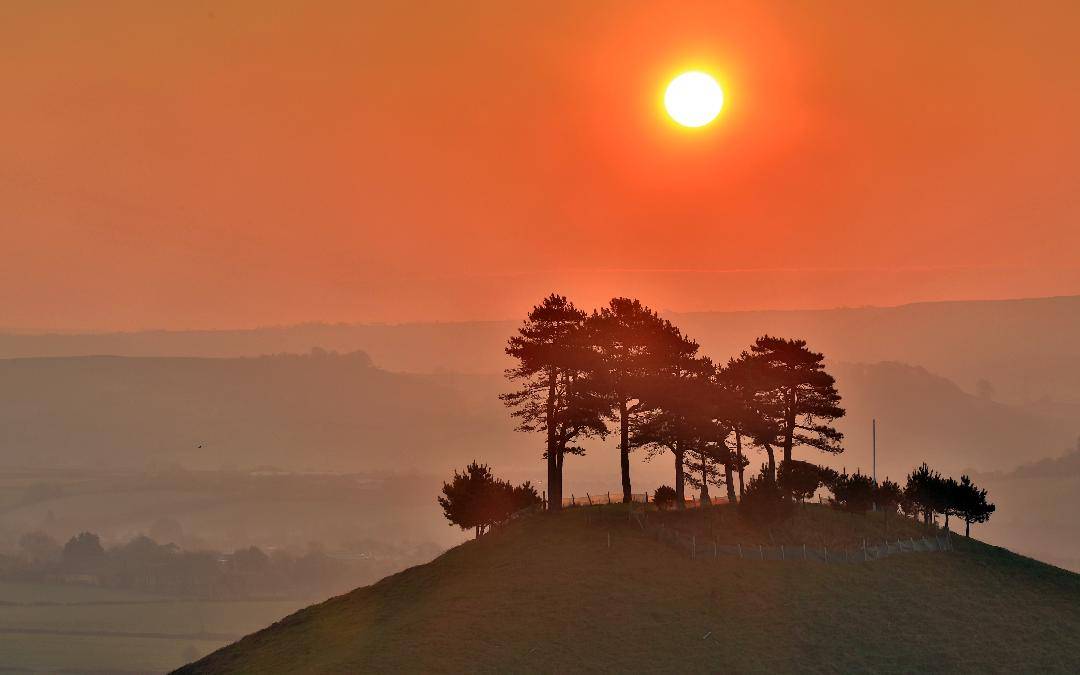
(799, 479)
(763, 501)
(854, 493)
(664, 497)
(475, 499)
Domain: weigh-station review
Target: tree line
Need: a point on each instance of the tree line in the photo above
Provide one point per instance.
(142, 564)
(623, 370)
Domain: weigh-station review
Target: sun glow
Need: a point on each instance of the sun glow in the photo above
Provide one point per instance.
(693, 99)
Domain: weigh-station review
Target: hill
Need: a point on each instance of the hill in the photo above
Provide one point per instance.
(339, 412)
(1027, 349)
(547, 594)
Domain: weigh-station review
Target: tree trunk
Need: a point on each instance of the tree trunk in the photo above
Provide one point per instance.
(738, 453)
(624, 450)
(704, 496)
(680, 479)
(554, 488)
(772, 461)
(967, 529)
(789, 441)
(560, 454)
(729, 480)
(946, 520)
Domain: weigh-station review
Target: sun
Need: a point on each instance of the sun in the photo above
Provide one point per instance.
(693, 99)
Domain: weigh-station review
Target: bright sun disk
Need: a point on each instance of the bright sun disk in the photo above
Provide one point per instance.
(693, 99)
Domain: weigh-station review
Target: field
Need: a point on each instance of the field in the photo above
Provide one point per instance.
(50, 628)
(548, 593)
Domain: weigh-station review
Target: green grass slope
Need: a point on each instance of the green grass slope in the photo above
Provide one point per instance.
(548, 594)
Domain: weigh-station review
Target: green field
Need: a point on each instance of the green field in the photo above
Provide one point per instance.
(548, 594)
(56, 627)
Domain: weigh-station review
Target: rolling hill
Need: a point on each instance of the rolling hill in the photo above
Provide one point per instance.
(1027, 349)
(548, 594)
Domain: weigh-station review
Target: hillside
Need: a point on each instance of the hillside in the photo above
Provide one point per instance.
(548, 594)
(1026, 348)
(322, 411)
(339, 412)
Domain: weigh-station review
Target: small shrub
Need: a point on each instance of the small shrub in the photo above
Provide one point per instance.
(763, 501)
(664, 497)
(799, 479)
(854, 493)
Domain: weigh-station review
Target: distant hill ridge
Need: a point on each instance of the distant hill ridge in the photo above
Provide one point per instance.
(1025, 349)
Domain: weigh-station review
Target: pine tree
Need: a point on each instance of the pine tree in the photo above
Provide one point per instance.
(634, 345)
(555, 395)
(797, 394)
(971, 504)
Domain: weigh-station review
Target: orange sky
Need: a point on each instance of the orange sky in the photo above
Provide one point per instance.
(229, 164)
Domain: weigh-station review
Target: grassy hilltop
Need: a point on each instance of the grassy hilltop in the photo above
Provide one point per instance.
(547, 593)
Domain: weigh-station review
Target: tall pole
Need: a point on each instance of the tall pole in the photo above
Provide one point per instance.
(873, 436)
(873, 445)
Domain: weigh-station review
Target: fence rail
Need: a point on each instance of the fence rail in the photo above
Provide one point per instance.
(636, 498)
(700, 547)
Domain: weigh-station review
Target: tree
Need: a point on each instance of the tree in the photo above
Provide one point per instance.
(677, 416)
(83, 551)
(475, 499)
(887, 497)
(743, 380)
(947, 496)
(555, 396)
(763, 501)
(854, 493)
(923, 493)
(970, 504)
(797, 394)
(799, 479)
(633, 344)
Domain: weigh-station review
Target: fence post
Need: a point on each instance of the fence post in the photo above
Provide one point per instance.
(782, 556)
(761, 551)
(740, 551)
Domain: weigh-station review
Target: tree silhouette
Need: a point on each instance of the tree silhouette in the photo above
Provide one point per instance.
(555, 396)
(83, 551)
(799, 479)
(633, 344)
(750, 384)
(887, 497)
(763, 502)
(970, 504)
(925, 492)
(854, 493)
(475, 499)
(677, 416)
(799, 396)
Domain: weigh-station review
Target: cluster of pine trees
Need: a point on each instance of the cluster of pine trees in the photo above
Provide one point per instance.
(625, 369)
(927, 492)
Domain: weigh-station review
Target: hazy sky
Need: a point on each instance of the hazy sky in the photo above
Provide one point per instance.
(228, 164)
